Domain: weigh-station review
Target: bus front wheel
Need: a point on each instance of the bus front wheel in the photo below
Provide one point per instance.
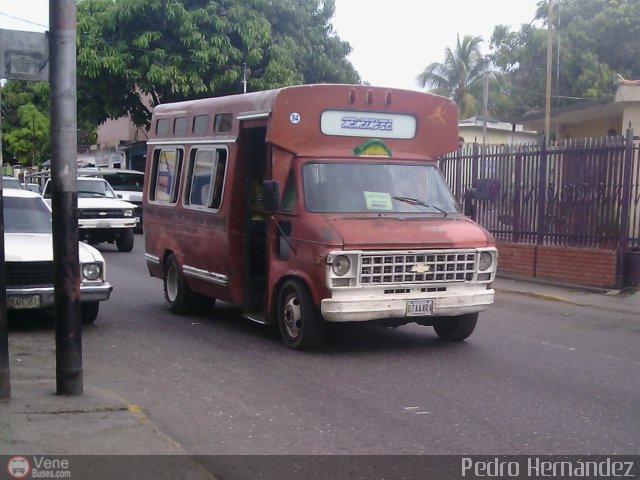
(456, 329)
(301, 325)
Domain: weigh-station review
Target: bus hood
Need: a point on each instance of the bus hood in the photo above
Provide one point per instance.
(385, 233)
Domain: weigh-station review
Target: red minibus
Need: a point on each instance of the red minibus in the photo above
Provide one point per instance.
(313, 204)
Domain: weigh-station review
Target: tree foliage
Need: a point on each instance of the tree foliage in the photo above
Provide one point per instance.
(25, 121)
(134, 54)
(459, 77)
(593, 41)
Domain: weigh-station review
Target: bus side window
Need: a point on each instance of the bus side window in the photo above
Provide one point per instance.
(218, 187)
(166, 172)
(289, 195)
(206, 177)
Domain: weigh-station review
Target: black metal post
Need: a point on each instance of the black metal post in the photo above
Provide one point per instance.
(627, 179)
(64, 200)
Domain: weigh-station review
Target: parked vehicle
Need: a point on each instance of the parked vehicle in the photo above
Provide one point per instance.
(101, 216)
(314, 204)
(10, 182)
(32, 187)
(29, 258)
(127, 184)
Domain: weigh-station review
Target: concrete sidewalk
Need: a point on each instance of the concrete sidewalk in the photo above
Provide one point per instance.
(35, 421)
(625, 301)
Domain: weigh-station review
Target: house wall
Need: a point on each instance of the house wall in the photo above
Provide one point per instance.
(113, 133)
(590, 128)
(579, 266)
(630, 96)
(472, 133)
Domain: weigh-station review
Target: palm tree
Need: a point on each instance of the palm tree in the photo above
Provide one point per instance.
(460, 76)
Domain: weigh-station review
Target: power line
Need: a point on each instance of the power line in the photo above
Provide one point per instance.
(23, 20)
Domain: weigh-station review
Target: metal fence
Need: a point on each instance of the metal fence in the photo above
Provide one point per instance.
(582, 193)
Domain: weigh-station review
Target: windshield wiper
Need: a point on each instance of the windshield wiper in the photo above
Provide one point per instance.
(415, 201)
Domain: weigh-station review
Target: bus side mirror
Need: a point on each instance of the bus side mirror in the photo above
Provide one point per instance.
(469, 206)
(271, 195)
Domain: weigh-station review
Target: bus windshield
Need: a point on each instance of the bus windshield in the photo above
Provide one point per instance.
(376, 187)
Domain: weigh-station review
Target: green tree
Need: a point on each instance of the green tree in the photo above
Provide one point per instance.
(30, 139)
(134, 54)
(597, 39)
(25, 122)
(459, 77)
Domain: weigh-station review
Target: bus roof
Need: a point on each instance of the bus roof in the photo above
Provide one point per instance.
(326, 119)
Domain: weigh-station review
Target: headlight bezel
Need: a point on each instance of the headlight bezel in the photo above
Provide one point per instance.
(92, 271)
(128, 213)
(341, 265)
(485, 261)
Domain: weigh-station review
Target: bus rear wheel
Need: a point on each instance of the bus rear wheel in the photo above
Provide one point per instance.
(177, 295)
(301, 325)
(456, 329)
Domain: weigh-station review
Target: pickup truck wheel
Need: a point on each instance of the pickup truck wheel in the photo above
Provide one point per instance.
(177, 294)
(125, 241)
(456, 329)
(89, 312)
(301, 325)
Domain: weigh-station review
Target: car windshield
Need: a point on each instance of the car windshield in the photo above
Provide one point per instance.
(94, 188)
(125, 181)
(26, 215)
(376, 187)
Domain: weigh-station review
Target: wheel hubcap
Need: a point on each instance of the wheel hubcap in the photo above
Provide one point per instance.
(292, 315)
(172, 283)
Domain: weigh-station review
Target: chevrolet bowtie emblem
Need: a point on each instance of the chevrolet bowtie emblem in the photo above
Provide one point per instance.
(420, 268)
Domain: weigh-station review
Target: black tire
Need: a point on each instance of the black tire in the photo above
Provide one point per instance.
(177, 294)
(89, 312)
(301, 325)
(456, 329)
(124, 242)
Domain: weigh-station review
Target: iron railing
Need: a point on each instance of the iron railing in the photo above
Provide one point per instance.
(582, 193)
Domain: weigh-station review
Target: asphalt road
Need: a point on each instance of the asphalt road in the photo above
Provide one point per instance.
(537, 377)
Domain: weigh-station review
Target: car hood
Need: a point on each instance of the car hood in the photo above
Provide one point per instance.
(104, 203)
(410, 232)
(38, 247)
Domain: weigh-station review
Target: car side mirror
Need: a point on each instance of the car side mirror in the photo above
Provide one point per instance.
(271, 195)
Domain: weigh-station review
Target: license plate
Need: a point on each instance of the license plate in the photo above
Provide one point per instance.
(21, 302)
(419, 308)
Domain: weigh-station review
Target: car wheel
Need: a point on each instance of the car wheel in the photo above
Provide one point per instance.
(125, 241)
(301, 325)
(89, 312)
(177, 294)
(456, 329)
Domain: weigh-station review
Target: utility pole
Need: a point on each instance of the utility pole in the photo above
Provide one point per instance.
(64, 201)
(5, 376)
(547, 110)
(244, 78)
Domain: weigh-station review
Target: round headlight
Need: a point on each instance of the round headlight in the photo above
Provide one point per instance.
(128, 213)
(486, 259)
(341, 265)
(92, 271)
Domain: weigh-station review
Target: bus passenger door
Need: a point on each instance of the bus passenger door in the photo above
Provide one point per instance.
(256, 159)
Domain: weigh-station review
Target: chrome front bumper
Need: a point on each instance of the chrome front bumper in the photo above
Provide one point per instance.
(363, 305)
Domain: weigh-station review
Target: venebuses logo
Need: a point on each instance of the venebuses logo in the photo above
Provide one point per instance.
(18, 467)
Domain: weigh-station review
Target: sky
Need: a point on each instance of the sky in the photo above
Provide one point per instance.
(392, 40)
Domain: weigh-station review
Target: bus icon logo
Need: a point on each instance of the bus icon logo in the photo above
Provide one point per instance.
(18, 467)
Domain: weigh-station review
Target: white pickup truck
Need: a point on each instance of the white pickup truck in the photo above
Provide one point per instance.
(101, 216)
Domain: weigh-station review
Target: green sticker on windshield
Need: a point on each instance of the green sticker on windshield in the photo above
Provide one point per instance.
(378, 201)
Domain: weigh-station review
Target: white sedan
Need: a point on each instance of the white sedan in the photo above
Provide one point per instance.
(29, 258)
